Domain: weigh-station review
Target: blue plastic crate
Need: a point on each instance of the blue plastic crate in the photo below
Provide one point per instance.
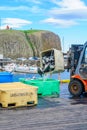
(6, 77)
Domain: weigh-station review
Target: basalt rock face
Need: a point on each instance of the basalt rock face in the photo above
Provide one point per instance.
(15, 43)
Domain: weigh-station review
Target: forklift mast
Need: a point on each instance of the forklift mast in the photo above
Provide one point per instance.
(73, 57)
(81, 68)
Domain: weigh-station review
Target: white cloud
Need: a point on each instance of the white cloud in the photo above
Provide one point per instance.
(32, 9)
(71, 4)
(34, 1)
(30, 1)
(14, 8)
(14, 23)
(68, 12)
(59, 22)
(69, 8)
(36, 9)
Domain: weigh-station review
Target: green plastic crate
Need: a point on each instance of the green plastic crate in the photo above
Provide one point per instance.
(46, 87)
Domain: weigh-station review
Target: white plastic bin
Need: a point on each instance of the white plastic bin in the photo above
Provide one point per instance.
(55, 60)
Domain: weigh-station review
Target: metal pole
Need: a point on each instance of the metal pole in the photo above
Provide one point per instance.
(63, 43)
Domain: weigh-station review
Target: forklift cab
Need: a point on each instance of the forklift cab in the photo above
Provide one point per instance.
(78, 79)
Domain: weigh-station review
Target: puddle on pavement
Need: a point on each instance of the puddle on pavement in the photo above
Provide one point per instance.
(79, 100)
(47, 102)
(64, 93)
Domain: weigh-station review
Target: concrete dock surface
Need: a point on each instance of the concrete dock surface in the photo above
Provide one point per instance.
(51, 113)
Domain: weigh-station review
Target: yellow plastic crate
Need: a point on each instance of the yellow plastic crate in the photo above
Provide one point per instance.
(17, 94)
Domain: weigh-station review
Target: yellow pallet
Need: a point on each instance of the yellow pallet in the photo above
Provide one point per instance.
(17, 94)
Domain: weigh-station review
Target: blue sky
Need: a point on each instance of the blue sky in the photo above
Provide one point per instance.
(67, 18)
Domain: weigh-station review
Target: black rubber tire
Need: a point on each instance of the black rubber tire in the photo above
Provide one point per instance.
(75, 88)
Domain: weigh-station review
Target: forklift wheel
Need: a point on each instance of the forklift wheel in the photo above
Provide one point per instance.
(75, 88)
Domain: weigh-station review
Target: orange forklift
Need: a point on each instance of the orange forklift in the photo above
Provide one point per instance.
(77, 63)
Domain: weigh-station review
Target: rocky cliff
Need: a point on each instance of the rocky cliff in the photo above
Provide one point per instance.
(15, 43)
